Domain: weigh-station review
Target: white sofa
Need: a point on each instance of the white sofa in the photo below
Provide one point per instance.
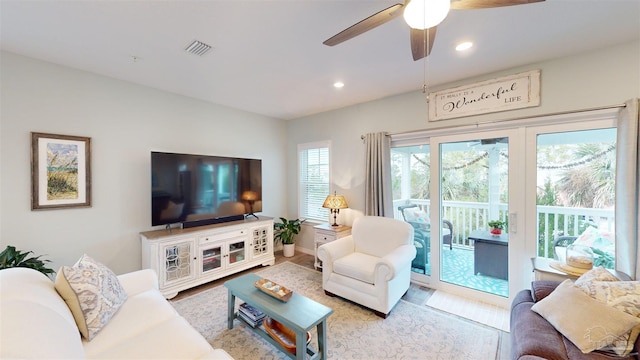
(372, 266)
(35, 323)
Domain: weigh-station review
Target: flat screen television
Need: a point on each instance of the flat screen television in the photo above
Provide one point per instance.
(199, 190)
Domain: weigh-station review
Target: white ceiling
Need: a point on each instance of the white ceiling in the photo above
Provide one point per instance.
(268, 57)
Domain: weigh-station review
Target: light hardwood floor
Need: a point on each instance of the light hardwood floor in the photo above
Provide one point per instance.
(416, 294)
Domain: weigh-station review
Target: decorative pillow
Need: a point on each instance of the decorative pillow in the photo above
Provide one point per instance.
(621, 295)
(596, 274)
(598, 239)
(586, 322)
(415, 215)
(92, 293)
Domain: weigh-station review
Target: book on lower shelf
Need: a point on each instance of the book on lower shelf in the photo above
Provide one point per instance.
(246, 319)
(250, 312)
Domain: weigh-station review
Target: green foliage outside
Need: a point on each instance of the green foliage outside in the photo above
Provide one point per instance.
(588, 182)
(459, 183)
(583, 176)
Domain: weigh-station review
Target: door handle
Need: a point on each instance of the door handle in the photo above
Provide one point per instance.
(513, 223)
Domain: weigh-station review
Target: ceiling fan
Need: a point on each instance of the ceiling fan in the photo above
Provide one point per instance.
(492, 141)
(422, 35)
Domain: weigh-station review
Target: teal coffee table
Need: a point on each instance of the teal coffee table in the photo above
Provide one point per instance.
(299, 314)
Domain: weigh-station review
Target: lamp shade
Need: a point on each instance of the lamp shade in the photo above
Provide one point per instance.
(335, 202)
(249, 195)
(424, 14)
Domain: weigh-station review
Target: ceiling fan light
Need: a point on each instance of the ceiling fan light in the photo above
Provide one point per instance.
(424, 14)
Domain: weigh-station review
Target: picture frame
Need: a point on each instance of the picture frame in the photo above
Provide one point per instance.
(60, 171)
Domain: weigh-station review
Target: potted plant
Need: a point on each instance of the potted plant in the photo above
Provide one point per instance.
(496, 226)
(285, 232)
(10, 257)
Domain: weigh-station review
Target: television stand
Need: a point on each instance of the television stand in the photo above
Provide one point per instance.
(252, 214)
(184, 258)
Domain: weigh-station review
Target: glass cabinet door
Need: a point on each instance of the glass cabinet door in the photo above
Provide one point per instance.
(237, 251)
(211, 258)
(177, 262)
(261, 241)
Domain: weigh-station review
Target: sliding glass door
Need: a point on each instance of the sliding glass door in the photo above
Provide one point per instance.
(449, 189)
(412, 203)
(575, 192)
(474, 202)
(476, 205)
(544, 179)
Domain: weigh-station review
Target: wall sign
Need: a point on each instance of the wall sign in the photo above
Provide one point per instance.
(506, 93)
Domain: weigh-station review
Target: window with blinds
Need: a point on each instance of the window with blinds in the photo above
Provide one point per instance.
(313, 180)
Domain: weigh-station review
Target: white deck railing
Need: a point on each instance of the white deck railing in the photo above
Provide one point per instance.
(552, 220)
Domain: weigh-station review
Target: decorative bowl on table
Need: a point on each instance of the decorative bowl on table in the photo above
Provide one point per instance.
(271, 288)
(282, 334)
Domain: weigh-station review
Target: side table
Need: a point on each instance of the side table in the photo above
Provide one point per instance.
(326, 233)
(490, 254)
(542, 270)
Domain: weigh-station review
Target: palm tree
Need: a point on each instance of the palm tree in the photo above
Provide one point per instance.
(590, 181)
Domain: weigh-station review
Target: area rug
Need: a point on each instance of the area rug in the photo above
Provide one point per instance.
(409, 332)
(459, 270)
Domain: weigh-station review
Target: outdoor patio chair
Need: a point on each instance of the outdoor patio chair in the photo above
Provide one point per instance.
(422, 227)
(420, 240)
(448, 238)
(560, 245)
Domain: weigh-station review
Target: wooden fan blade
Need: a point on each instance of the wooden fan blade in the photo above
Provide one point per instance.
(484, 4)
(365, 25)
(422, 42)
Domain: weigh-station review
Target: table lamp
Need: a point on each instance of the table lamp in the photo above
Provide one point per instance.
(335, 203)
(250, 196)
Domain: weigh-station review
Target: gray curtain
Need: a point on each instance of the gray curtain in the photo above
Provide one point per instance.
(627, 194)
(378, 199)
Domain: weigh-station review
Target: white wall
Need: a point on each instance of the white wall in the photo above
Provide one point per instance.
(125, 122)
(599, 78)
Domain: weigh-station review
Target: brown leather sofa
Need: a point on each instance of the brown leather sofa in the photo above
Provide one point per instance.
(532, 337)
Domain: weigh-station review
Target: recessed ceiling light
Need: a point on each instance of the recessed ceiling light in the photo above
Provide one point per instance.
(464, 46)
(338, 84)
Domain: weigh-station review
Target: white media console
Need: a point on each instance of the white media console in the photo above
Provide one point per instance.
(184, 258)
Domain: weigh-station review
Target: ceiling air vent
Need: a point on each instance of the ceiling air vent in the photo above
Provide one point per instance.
(198, 48)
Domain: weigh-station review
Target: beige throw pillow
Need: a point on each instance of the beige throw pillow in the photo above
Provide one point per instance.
(92, 293)
(596, 274)
(586, 322)
(621, 295)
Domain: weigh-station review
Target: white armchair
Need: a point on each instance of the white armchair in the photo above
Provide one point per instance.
(372, 266)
